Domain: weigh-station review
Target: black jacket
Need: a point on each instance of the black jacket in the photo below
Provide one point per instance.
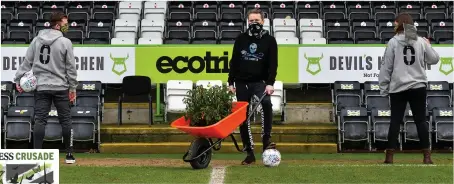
(254, 60)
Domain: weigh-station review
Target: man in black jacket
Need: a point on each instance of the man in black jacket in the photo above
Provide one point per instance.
(253, 70)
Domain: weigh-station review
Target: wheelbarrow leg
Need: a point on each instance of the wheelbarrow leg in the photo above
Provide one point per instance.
(235, 143)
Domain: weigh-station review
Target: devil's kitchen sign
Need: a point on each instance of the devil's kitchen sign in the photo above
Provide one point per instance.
(105, 64)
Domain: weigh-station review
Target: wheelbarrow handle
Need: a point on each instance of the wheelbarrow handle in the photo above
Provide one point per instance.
(255, 108)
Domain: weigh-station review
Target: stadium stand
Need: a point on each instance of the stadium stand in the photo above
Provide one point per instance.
(409, 128)
(212, 22)
(135, 86)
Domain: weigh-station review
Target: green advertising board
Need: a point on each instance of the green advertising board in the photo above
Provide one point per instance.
(203, 63)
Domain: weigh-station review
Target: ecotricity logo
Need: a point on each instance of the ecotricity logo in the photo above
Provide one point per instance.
(119, 65)
(194, 64)
(446, 66)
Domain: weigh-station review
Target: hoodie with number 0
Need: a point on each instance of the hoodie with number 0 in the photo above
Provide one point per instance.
(404, 64)
(51, 57)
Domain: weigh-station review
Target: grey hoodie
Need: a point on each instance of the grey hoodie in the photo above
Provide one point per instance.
(51, 57)
(404, 62)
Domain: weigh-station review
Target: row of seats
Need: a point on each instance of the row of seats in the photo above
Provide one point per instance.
(176, 91)
(356, 124)
(18, 114)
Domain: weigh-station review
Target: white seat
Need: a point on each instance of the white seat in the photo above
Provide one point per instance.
(286, 41)
(176, 91)
(123, 41)
(313, 40)
(277, 98)
(130, 10)
(266, 25)
(155, 10)
(150, 41)
(284, 28)
(209, 83)
(152, 28)
(125, 28)
(311, 28)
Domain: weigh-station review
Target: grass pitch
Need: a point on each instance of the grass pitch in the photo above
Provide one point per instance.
(295, 168)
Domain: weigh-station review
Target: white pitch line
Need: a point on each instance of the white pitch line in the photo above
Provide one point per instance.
(374, 165)
(217, 175)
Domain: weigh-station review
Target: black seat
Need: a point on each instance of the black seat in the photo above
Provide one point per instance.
(231, 11)
(422, 28)
(412, 8)
(18, 124)
(205, 30)
(180, 11)
(308, 10)
(358, 10)
(104, 10)
(19, 29)
(135, 86)
(230, 30)
(340, 41)
(334, 11)
(283, 9)
(8, 11)
(178, 31)
(49, 7)
(40, 25)
(28, 11)
(95, 41)
(205, 11)
(364, 29)
(6, 93)
(337, 29)
(79, 11)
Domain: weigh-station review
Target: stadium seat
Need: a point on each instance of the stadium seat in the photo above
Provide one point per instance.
(53, 129)
(346, 94)
(334, 11)
(150, 41)
(209, 83)
(285, 41)
(123, 41)
(6, 93)
(354, 126)
(178, 32)
(18, 124)
(409, 128)
(205, 11)
(20, 30)
(313, 40)
(231, 11)
(176, 91)
(126, 28)
(204, 32)
(40, 25)
(152, 28)
(364, 30)
(438, 95)
(130, 10)
(79, 11)
(85, 124)
(278, 99)
(443, 120)
(380, 121)
(284, 28)
(100, 29)
(89, 94)
(230, 30)
(338, 29)
(155, 10)
(180, 11)
(104, 10)
(358, 11)
(25, 99)
(283, 9)
(308, 10)
(311, 28)
(135, 86)
(372, 97)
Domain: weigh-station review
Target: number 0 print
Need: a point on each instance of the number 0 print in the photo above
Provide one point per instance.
(412, 55)
(44, 57)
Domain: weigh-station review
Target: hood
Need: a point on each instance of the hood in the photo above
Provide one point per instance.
(409, 36)
(48, 36)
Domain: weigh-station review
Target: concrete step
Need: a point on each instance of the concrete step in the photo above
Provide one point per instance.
(226, 147)
(296, 113)
(163, 133)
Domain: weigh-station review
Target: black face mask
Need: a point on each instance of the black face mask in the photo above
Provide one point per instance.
(256, 29)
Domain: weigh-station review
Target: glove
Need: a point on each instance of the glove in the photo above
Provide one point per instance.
(269, 89)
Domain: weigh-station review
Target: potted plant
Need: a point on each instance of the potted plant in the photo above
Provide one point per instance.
(207, 106)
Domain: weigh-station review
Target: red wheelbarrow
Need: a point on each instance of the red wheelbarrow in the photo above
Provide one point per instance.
(200, 150)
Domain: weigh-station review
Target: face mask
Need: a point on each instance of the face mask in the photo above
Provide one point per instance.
(255, 29)
(64, 28)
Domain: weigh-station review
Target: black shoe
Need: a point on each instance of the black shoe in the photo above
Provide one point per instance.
(250, 159)
(269, 145)
(70, 158)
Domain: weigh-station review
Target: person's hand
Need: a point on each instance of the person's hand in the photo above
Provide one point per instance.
(19, 88)
(269, 89)
(427, 40)
(72, 96)
(232, 89)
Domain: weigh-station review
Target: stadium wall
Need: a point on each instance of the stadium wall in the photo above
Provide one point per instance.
(297, 63)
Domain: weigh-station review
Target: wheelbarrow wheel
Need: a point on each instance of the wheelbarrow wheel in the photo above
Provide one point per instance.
(197, 147)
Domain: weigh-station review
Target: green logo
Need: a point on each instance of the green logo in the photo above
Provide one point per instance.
(119, 66)
(446, 65)
(313, 64)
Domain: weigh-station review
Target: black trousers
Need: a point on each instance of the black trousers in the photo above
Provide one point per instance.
(43, 102)
(244, 92)
(417, 100)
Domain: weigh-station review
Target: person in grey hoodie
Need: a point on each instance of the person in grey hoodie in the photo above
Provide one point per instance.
(50, 57)
(403, 77)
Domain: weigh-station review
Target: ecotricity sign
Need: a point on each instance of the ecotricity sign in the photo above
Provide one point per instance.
(108, 65)
(329, 64)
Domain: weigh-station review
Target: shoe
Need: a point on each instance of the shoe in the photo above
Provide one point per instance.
(269, 145)
(427, 154)
(70, 158)
(250, 159)
(389, 156)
